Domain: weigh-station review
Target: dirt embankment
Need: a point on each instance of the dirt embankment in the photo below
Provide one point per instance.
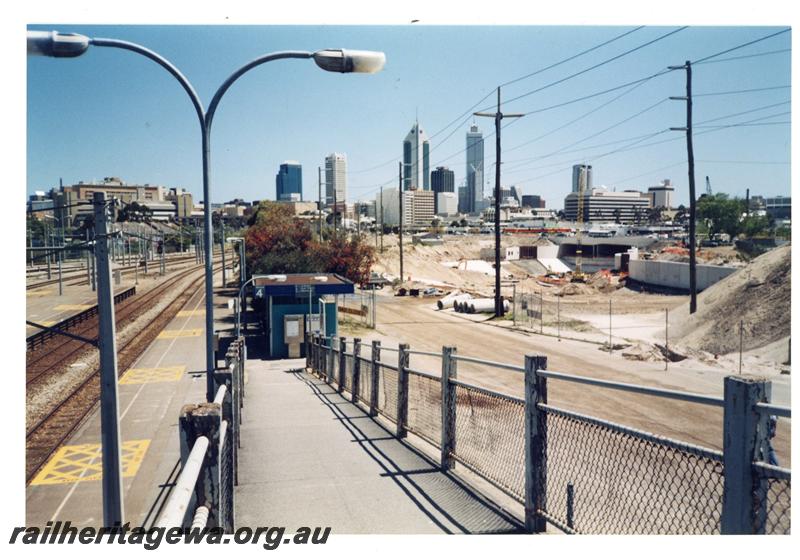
(757, 296)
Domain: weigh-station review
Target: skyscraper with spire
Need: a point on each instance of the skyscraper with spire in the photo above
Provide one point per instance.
(416, 160)
(474, 194)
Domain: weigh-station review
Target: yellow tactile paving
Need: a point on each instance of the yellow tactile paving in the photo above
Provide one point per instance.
(181, 333)
(38, 292)
(138, 376)
(191, 313)
(82, 463)
(72, 307)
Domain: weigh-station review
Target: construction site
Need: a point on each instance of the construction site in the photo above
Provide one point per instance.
(601, 326)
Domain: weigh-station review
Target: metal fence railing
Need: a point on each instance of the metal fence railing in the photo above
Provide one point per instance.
(576, 472)
(203, 494)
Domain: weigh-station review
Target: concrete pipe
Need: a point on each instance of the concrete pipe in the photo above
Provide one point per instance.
(484, 304)
(447, 301)
(460, 303)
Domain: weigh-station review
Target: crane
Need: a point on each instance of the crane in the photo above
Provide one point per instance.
(578, 275)
(708, 186)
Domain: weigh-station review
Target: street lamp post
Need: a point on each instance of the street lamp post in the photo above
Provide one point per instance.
(67, 45)
(70, 45)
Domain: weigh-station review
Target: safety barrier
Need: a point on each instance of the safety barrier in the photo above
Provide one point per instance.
(203, 494)
(39, 338)
(576, 472)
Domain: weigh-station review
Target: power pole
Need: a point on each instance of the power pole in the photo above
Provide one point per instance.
(381, 219)
(692, 202)
(222, 247)
(335, 213)
(498, 119)
(400, 193)
(319, 201)
(109, 409)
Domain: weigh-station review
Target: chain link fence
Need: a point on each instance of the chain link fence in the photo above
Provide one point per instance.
(349, 361)
(387, 391)
(364, 380)
(773, 511)
(490, 436)
(592, 476)
(226, 475)
(603, 478)
(425, 407)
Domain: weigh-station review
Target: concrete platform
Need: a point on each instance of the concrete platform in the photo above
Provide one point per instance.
(169, 374)
(43, 305)
(311, 458)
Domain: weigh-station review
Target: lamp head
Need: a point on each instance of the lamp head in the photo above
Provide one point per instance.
(346, 61)
(53, 43)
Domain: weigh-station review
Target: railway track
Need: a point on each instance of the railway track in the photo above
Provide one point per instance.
(78, 278)
(59, 350)
(45, 436)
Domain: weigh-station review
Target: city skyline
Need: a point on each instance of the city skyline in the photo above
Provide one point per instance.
(150, 138)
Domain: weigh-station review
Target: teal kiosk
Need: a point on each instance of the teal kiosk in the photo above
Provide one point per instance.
(295, 306)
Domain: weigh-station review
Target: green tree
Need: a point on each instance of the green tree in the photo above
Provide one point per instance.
(134, 212)
(722, 214)
(655, 215)
(753, 226)
(279, 243)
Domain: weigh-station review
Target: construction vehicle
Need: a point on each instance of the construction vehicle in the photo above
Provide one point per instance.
(578, 275)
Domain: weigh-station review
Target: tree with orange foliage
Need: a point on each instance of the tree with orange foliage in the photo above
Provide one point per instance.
(277, 242)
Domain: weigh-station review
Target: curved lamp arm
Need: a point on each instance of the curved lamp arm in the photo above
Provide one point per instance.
(212, 107)
(164, 63)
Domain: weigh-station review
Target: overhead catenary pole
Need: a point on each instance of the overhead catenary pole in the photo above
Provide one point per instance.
(222, 248)
(381, 219)
(109, 409)
(498, 118)
(692, 199)
(400, 230)
(335, 212)
(319, 202)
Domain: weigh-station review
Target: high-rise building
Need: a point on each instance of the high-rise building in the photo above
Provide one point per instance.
(532, 201)
(446, 204)
(661, 195)
(516, 194)
(289, 181)
(416, 160)
(443, 180)
(474, 169)
(600, 204)
(417, 207)
(335, 179)
(576, 177)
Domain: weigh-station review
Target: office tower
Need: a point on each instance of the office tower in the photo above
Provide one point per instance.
(289, 181)
(576, 176)
(416, 160)
(474, 169)
(443, 180)
(335, 179)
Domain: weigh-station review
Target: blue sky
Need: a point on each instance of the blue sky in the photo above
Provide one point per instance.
(115, 113)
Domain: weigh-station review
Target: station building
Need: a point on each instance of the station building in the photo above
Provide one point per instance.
(296, 305)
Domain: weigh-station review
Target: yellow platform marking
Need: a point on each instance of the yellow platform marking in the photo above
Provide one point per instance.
(72, 307)
(181, 333)
(82, 463)
(191, 313)
(138, 376)
(38, 292)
